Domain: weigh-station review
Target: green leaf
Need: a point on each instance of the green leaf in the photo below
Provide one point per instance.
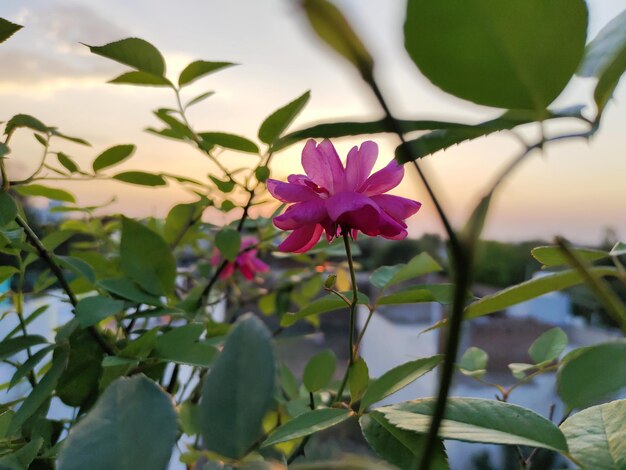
(126, 289)
(307, 424)
(9, 347)
(180, 218)
(199, 69)
(416, 267)
(8, 209)
(29, 365)
(554, 256)
(618, 250)
(7, 29)
(78, 266)
(183, 346)
(38, 190)
(224, 186)
(133, 425)
(323, 305)
(399, 447)
(112, 156)
(608, 82)
(398, 378)
(319, 370)
(520, 369)
(262, 173)
(441, 293)
(597, 436)
(238, 390)
(134, 52)
(199, 98)
(529, 290)
(23, 457)
(474, 362)
(141, 178)
(548, 346)
(141, 78)
(279, 120)
(69, 164)
(592, 374)
(228, 241)
(358, 379)
(146, 258)
(479, 420)
(332, 27)
(189, 418)
(538, 49)
(229, 141)
(6, 272)
(25, 120)
(43, 391)
(92, 310)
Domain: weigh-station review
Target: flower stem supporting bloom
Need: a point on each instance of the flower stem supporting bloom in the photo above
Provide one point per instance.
(352, 353)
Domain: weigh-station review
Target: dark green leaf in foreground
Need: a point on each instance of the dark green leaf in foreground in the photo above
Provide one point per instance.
(538, 48)
(398, 378)
(548, 346)
(597, 436)
(8, 209)
(479, 420)
(199, 69)
(7, 29)
(92, 310)
(146, 258)
(112, 156)
(134, 52)
(319, 370)
(38, 190)
(399, 447)
(238, 390)
(272, 128)
(593, 373)
(306, 424)
(132, 426)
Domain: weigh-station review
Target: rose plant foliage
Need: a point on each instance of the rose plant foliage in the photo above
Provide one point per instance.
(175, 321)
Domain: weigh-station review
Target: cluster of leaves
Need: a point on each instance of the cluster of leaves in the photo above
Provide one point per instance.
(147, 362)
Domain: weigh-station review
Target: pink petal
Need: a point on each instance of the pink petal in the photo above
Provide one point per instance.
(287, 192)
(302, 239)
(302, 213)
(383, 180)
(342, 203)
(359, 164)
(322, 164)
(399, 208)
(228, 271)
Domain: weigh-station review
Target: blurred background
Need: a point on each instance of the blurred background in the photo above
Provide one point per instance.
(574, 189)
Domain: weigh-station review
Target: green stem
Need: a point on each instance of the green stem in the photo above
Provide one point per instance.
(352, 353)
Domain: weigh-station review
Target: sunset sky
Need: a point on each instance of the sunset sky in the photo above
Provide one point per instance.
(573, 189)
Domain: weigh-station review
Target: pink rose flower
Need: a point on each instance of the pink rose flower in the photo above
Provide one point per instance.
(247, 262)
(332, 198)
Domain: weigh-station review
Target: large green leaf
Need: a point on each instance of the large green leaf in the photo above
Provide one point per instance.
(597, 436)
(502, 53)
(554, 256)
(146, 258)
(112, 156)
(39, 190)
(399, 447)
(238, 390)
(529, 290)
(272, 128)
(199, 69)
(306, 424)
(92, 310)
(593, 373)
(134, 52)
(8, 209)
(183, 346)
(479, 420)
(398, 378)
(133, 425)
(8, 29)
(319, 370)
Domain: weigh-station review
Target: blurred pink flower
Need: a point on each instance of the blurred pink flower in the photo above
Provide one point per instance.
(247, 262)
(332, 198)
